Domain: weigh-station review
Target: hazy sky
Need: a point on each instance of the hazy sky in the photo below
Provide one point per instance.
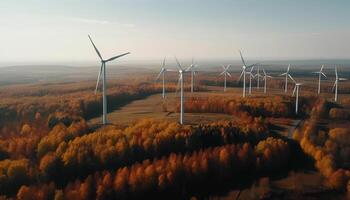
(56, 31)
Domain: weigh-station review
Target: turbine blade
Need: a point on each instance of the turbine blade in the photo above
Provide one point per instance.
(343, 79)
(335, 82)
(223, 67)
(291, 77)
(336, 72)
(240, 53)
(240, 76)
(98, 77)
(178, 64)
(295, 87)
(264, 72)
(324, 74)
(115, 57)
(222, 73)
(163, 65)
(288, 68)
(98, 53)
(172, 70)
(251, 69)
(321, 68)
(160, 73)
(228, 73)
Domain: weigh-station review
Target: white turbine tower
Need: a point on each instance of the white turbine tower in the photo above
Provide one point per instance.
(250, 79)
(258, 75)
(265, 79)
(103, 72)
(244, 67)
(319, 79)
(193, 73)
(296, 89)
(181, 82)
(225, 73)
(162, 73)
(335, 86)
(287, 75)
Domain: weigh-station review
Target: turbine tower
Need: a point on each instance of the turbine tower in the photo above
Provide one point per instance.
(244, 67)
(335, 86)
(319, 79)
(258, 75)
(193, 73)
(104, 86)
(287, 75)
(250, 79)
(265, 79)
(296, 89)
(181, 82)
(162, 73)
(225, 73)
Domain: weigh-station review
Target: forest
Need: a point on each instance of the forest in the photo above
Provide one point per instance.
(48, 150)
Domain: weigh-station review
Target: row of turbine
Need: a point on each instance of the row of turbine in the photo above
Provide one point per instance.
(251, 76)
(225, 73)
(191, 69)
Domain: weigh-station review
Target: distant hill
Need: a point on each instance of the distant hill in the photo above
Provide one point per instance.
(53, 73)
(64, 73)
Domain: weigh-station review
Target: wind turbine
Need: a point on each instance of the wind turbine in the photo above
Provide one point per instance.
(181, 82)
(258, 75)
(225, 73)
(250, 79)
(287, 75)
(193, 73)
(265, 79)
(162, 73)
(319, 78)
(244, 67)
(103, 72)
(296, 89)
(337, 79)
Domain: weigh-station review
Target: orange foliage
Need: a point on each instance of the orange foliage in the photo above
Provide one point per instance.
(270, 106)
(330, 150)
(198, 169)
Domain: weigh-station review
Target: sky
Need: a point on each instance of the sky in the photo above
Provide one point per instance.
(48, 31)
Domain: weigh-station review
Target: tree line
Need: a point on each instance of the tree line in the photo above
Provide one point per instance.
(277, 106)
(329, 147)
